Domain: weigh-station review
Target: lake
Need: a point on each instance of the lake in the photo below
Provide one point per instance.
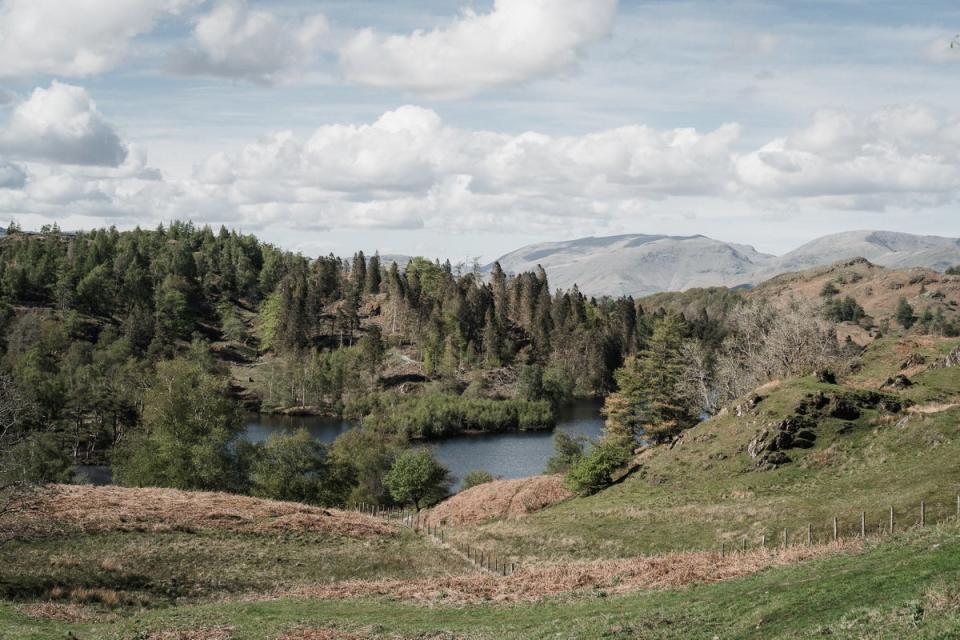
(509, 455)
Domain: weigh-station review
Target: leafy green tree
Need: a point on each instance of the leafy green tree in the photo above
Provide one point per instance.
(296, 467)
(953, 271)
(567, 451)
(595, 470)
(417, 478)
(369, 454)
(189, 425)
(904, 313)
(474, 478)
(829, 290)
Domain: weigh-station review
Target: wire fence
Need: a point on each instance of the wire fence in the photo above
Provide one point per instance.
(419, 521)
(847, 525)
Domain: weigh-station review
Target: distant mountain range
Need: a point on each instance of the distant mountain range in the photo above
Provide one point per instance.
(643, 264)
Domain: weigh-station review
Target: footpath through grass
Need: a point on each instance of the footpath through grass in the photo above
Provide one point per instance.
(904, 586)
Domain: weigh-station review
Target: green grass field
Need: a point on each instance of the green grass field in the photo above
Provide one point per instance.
(904, 586)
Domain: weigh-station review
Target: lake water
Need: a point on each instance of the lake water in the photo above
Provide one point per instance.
(508, 455)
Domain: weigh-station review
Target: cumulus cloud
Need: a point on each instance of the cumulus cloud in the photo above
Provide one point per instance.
(895, 150)
(62, 125)
(518, 40)
(74, 38)
(234, 41)
(408, 169)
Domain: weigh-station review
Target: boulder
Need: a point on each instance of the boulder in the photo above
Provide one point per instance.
(913, 360)
(759, 444)
(899, 381)
(747, 406)
(804, 439)
(826, 376)
(843, 409)
(953, 359)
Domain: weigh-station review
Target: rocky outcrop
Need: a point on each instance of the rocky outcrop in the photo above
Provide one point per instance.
(798, 431)
(953, 359)
(767, 447)
(747, 406)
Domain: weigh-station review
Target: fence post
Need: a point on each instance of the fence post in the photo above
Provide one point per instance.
(743, 545)
(923, 512)
(834, 528)
(863, 524)
(891, 520)
(809, 535)
(763, 541)
(785, 538)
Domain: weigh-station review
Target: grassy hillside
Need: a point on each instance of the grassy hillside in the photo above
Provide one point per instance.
(707, 489)
(877, 289)
(899, 587)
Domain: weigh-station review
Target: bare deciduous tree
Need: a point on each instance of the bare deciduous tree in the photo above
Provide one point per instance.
(696, 381)
(765, 344)
(15, 414)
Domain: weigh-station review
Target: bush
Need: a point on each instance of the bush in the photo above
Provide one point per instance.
(296, 468)
(567, 452)
(595, 470)
(474, 478)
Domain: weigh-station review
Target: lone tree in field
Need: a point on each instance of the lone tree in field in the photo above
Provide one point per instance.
(904, 313)
(417, 478)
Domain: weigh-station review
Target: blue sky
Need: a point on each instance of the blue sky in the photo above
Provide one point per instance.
(466, 129)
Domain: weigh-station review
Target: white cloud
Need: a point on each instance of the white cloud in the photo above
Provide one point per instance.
(517, 41)
(62, 125)
(69, 38)
(409, 169)
(234, 41)
(895, 150)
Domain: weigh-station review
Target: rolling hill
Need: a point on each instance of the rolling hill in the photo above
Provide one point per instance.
(643, 264)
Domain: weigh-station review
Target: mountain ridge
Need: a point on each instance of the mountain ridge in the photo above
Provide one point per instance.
(642, 264)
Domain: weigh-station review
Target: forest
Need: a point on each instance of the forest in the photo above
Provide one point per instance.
(122, 347)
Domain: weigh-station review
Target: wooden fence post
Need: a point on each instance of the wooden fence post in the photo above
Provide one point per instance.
(763, 541)
(863, 524)
(786, 538)
(834, 528)
(891, 520)
(923, 513)
(809, 535)
(743, 545)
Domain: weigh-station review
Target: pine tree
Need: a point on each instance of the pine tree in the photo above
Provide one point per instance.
(373, 275)
(649, 398)
(358, 272)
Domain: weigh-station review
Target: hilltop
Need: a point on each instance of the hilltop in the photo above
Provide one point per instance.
(640, 265)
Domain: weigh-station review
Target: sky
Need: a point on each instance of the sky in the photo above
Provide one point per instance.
(465, 129)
